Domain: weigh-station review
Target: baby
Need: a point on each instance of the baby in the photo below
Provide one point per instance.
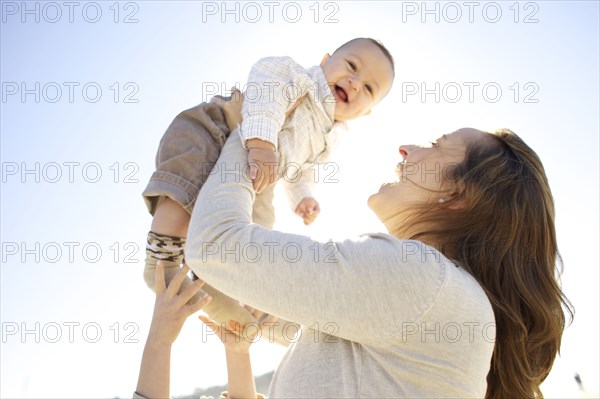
(290, 116)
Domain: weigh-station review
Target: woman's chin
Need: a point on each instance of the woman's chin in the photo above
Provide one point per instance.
(373, 202)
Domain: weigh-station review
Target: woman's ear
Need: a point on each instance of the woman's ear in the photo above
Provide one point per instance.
(456, 203)
(325, 57)
(455, 199)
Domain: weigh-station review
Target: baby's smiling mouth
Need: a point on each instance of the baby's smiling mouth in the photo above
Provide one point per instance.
(341, 93)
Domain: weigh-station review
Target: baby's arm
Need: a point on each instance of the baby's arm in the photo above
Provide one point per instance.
(262, 160)
(262, 157)
(275, 84)
(308, 209)
(300, 187)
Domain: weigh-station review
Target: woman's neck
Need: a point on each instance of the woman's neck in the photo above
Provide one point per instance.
(407, 231)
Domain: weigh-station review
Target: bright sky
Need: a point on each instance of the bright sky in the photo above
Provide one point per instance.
(88, 89)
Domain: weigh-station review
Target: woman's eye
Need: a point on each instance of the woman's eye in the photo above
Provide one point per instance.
(433, 143)
(352, 66)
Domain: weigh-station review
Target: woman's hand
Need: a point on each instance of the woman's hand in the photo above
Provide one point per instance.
(261, 316)
(240, 379)
(233, 335)
(170, 309)
(170, 312)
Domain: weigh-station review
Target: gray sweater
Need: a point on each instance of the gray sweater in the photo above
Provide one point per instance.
(381, 317)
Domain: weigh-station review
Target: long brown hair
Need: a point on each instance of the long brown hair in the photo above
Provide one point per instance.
(502, 232)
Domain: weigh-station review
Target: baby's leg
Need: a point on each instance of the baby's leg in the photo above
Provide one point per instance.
(189, 148)
(166, 242)
(170, 218)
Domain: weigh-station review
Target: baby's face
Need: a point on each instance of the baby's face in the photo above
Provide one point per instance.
(359, 75)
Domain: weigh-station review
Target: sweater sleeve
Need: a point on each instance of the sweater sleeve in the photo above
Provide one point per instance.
(275, 84)
(364, 289)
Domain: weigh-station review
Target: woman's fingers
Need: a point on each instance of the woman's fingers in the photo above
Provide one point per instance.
(259, 180)
(253, 172)
(211, 324)
(254, 312)
(235, 327)
(175, 283)
(261, 316)
(189, 293)
(191, 290)
(199, 304)
(262, 175)
(220, 331)
(159, 278)
(270, 319)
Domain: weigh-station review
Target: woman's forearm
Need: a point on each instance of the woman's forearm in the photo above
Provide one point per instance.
(153, 381)
(240, 378)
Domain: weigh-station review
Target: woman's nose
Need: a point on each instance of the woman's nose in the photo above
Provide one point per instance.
(404, 150)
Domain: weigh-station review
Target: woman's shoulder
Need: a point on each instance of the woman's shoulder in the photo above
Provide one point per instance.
(410, 252)
(422, 263)
(410, 266)
(441, 288)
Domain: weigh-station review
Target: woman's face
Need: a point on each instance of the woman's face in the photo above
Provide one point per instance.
(423, 175)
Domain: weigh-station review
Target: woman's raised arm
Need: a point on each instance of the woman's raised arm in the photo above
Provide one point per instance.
(352, 284)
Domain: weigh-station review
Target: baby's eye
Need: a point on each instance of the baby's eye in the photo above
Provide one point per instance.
(369, 89)
(352, 65)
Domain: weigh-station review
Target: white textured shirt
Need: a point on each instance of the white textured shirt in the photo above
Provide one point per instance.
(381, 317)
(303, 138)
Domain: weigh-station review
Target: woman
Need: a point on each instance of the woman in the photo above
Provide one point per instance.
(460, 299)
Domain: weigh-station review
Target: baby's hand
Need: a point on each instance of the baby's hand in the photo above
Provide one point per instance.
(308, 209)
(262, 160)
